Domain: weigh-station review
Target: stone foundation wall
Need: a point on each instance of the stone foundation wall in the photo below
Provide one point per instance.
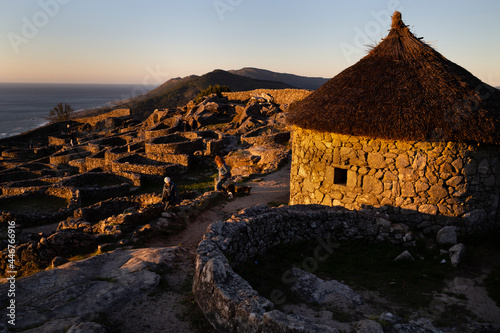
(94, 120)
(229, 302)
(181, 159)
(281, 96)
(142, 165)
(266, 135)
(174, 144)
(64, 157)
(425, 184)
(71, 194)
(88, 184)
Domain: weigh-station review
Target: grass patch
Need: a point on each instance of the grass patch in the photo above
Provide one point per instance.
(359, 264)
(199, 181)
(276, 203)
(454, 313)
(35, 204)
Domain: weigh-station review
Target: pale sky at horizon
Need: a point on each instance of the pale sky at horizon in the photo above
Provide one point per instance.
(151, 41)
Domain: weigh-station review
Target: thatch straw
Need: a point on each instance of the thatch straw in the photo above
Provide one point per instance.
(404, 89)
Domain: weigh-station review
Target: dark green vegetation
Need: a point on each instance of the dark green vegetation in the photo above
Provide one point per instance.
(359, 264)
(178, 92)
(35, 204)
(217, 89)
(60, 112)
(370, 266)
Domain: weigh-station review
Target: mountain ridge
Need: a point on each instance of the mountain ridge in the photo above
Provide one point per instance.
(300, 82)
(179, 91)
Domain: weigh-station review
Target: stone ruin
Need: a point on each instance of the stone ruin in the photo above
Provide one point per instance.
(82, 177)
(231, 304)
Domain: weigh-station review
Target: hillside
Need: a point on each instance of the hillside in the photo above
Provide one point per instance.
(177, 92)
(300, 82)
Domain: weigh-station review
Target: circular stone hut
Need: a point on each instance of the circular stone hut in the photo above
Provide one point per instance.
(405, 131)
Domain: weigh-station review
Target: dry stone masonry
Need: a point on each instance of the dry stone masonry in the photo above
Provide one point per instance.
(424, 184)
(229, 302)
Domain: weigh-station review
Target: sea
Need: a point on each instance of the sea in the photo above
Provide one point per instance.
(25, 106)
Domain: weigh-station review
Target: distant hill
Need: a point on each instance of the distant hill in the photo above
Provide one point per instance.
(179, 91)
(301, 82)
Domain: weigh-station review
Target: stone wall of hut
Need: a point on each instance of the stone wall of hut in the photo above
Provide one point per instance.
(424, 184)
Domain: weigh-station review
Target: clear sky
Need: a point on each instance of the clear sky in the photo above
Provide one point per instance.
(151, 41)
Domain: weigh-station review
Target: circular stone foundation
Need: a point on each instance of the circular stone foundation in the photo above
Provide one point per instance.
(99, 185)
(229, 302)
(40, 206)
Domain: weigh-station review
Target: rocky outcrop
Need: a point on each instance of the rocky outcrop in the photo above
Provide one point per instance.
(73, 295)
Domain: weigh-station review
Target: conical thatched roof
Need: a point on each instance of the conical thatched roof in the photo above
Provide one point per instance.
(405, 90)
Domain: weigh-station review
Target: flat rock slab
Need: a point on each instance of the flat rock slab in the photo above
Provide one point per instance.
(78, 292)
(317, 291)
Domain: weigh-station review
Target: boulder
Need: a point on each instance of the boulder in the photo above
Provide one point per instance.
(317, 291)
(368, 326)
(447, 236)
(405, 256)
(58, 261)
(457, 254)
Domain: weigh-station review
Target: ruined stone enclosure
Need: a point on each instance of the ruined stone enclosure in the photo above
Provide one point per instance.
(424, 184)
(230, 303)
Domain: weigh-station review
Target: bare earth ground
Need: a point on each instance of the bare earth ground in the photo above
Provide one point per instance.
(167, 310)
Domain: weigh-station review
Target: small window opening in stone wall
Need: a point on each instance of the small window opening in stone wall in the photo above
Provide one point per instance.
(340, 176)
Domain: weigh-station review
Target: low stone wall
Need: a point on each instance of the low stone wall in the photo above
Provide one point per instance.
(70, 194)
(88, 184)
(281, 96)
(96, 161)
(119, 152)
(65, 156)
(174, 144)
(18, 153)
(59, 140)
(266, 135)
(16, 175)
(94, 120)
(164, 128)
(229, 302)
(425, 184)
(107, 208)
(21, 187)
(143, 165)
(181, 159)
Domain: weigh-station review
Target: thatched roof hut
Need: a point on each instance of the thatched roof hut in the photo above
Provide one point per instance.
(404, 90)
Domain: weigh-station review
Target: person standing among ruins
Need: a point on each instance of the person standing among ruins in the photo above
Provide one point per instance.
(224, 174)
(169, 194)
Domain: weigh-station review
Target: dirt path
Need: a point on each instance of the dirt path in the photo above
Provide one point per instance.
(169, 310)
(273, 188)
